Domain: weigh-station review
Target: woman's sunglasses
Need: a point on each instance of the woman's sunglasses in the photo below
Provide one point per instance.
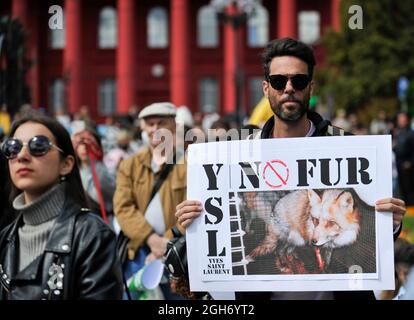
(38, 146)
(299, 81)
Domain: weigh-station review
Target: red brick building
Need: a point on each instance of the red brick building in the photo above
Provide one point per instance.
(112, 54)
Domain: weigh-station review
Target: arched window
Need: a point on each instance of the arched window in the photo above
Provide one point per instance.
(57, 95)
(107, 35)
(207, 27)
(157, 28)
(309, 26)
(258, 28)
(107, 96)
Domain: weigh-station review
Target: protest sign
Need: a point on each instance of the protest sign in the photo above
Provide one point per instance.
(291, 214)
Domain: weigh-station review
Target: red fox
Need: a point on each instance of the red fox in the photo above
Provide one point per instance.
(304, 218)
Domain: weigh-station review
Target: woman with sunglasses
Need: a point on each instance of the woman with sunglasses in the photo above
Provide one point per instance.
(55, 249)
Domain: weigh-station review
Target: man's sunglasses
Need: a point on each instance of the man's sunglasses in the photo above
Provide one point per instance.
(299, 81)
(38, 146)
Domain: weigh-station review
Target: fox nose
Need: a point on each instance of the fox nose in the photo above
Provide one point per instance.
(314, 242)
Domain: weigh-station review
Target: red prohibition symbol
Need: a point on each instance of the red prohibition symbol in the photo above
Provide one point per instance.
(275, 173)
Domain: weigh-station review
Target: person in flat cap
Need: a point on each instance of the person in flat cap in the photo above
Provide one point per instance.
(149, 187)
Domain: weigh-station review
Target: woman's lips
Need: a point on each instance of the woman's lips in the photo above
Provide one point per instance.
(24, 171)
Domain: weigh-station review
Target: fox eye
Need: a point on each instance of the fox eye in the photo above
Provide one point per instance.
(315, 221)
(331, 224)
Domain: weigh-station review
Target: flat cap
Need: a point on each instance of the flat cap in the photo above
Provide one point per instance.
(161, 109)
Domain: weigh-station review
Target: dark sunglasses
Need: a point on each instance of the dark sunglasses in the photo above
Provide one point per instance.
(38, 146)
(299, 81)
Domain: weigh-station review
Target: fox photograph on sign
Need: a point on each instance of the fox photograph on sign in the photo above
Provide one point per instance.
(297, 232)
(291, 214)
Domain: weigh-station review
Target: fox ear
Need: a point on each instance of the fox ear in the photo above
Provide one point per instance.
(346, 201)
(313, 197)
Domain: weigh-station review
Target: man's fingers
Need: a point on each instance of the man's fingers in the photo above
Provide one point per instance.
(395, 201)
(188, 203)
(186, 223)
(190, 215)
(390, 207)
(187, 209)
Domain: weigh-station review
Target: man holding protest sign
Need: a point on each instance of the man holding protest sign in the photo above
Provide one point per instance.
(288, 70)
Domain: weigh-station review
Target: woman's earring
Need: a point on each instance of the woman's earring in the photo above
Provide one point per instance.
(62, 178)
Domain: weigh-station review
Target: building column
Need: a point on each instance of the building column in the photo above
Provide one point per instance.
(179, 53)
(230, 62)
(336, 14)
(287, 19)
(72, 55)
(20, 10)
(125, 56)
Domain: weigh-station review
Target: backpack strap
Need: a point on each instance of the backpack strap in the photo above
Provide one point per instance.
(335, 131)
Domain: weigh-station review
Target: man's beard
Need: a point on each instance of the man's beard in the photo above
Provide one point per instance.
(277, 108)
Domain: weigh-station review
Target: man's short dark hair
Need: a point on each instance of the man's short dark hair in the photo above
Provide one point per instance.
(287, 47)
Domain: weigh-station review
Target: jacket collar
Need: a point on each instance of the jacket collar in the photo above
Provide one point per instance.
(144, 157)
(60, 239)
(321, 125)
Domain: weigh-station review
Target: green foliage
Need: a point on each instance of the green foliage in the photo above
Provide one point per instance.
(363, 66)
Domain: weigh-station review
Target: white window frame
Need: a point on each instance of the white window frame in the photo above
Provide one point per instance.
(107, 28)
(157, 30)
(106, 96)
(309, 26)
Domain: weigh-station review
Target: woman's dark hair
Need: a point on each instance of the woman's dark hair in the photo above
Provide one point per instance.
(287, 47)
(74, 188)
(95, 134)
(6, 211)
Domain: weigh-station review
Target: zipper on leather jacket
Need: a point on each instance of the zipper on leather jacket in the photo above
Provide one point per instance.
(4, 280)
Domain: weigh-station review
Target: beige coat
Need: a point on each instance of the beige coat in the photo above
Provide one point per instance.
(133, 190)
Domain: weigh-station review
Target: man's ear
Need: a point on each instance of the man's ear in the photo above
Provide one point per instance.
(265, 87)
(67, 165)
(312, 84)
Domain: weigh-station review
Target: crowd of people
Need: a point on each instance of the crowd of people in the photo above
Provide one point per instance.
(75, 186)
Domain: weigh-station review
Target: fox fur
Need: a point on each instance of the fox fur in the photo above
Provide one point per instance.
(305, 218)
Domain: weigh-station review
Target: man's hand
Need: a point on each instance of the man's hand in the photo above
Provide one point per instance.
(157, 244)
(396, 206)
(187, 211)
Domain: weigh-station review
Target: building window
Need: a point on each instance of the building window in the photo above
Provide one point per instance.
(309, 26)
(57, 36)
(255, 91)
(258, 28)
(208, 93)
(57, 95)
(107, 97)
(107, 35)
(207, 27)
(157, 28)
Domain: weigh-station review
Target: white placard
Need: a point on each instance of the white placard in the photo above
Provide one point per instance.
(291, 214)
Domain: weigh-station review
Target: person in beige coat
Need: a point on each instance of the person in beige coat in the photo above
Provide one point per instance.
(143, 221)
